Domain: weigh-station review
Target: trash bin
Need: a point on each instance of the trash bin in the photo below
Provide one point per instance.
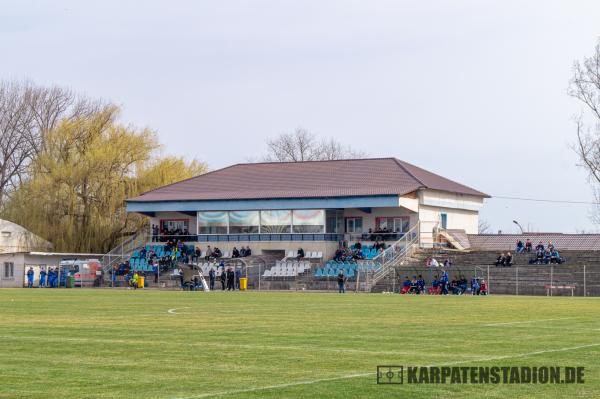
(141, 281)
(70, 282)
(243, 283)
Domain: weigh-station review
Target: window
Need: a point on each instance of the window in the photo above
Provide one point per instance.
(335, 220)
(6, 234)
(244, 222)
(393, 225)
(309, 221)
(354, 225)
(276, 221)
(212, 222)
(9, 270)
(175, 226)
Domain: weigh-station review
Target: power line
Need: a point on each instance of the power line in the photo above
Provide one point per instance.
(546, 200)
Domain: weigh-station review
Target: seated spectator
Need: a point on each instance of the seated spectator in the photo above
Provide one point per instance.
(508, 260)
(555, 257)
(550, 246)
(520, 247)
(248, 250)
(242, 252)
(406, 283)
(217, 253)
(500, 260)
(358, 245)
(483, 288)
(413, 286)
(475, 287)
(547, 256)
(528, 245)
(208, 254)
(300, 254)
(539, 247)
(235, 253)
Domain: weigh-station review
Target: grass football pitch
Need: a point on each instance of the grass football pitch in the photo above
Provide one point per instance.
(158, 344)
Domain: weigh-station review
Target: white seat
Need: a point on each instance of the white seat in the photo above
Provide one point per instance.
(267, 273)
(290, 254)
(319, 255)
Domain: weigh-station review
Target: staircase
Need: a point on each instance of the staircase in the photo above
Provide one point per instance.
(123, 251)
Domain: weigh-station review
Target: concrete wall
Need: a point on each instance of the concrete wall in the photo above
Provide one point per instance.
(18, 260)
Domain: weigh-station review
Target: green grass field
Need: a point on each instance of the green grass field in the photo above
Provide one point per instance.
(124, 344)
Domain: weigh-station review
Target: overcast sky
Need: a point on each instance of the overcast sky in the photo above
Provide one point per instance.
(472, 90)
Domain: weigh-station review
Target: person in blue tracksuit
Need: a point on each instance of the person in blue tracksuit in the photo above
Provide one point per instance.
(42, 278)
(30, 278)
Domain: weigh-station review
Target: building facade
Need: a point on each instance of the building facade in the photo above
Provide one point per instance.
(315, 204)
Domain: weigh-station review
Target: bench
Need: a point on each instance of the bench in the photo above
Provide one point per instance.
(550, 287)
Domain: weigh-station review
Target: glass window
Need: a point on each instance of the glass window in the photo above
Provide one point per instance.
(212, 222)
(309, 221)
(175, 226)
(9, 269)
(335, 220)
(354, 225)
(393, 225)
(243, 222)
(276, 221)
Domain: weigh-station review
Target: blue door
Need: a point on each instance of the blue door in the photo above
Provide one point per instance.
(444, 220)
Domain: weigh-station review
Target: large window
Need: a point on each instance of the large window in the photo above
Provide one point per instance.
(309, 221)
(9, 270)
(276, 221)
(243, 222)
(175, 226)
(393, 225)
(354, 225)
(334, 221)
(212, 222)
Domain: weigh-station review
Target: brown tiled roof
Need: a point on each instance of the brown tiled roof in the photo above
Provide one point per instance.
(312, 179)
(508, 242)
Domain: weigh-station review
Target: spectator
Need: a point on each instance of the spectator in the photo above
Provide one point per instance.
(208, 253)
(413, 286)
(242, 252)
(447, 262)
(357, 245)
(230, 280)
(555, 257)
(508, 261)
(405, 285)
(238, 275)
(434, 263)
(475, 286)
(211, 278)
(197, 254)
(181, 279)
(217, 253)
(483, 288)
(500, 260)
(547, 256)
(248, 250)
(341, 278)
(235, 253)
(528, 246)
(420, 285)
(520, 247)
(223, 277)
(300, 254)
(539, 247)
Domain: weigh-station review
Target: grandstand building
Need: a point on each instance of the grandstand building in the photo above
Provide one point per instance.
(314, 204)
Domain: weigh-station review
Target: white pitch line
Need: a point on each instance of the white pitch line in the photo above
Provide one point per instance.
(510, 323)
(350, 376)
(174, 310)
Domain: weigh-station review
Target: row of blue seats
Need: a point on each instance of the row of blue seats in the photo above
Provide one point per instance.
(328, 272)
(361, 266)
(161, 248)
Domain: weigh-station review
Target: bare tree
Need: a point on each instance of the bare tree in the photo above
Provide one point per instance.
(585, 86)
(303, 145)
(27, 113)
(483, 227)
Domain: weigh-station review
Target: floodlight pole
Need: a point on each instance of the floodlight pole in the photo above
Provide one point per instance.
(517, 223)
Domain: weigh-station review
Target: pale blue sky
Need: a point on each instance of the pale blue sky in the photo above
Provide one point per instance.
(472, 90)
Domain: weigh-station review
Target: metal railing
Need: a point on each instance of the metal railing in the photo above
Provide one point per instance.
(394, 254)
(124, 250)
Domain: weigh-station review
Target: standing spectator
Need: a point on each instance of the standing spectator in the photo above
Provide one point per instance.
(341, 278)
(208, 253)
(211, 279)
(42, 278)
(30, 278)
(230, 280)
(181, 279)
(223, 277)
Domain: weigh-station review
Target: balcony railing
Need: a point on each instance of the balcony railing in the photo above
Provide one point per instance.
(250, 237)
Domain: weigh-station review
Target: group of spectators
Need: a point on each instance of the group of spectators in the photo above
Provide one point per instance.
(355, 251)
(543, 254)
(229, 278)
(164, 234)
(432, 262)
(504, 260)
(47, 279)
(241, 253)
(442, 285)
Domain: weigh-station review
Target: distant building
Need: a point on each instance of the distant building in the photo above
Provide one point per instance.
(15, 238)
(316, 204)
